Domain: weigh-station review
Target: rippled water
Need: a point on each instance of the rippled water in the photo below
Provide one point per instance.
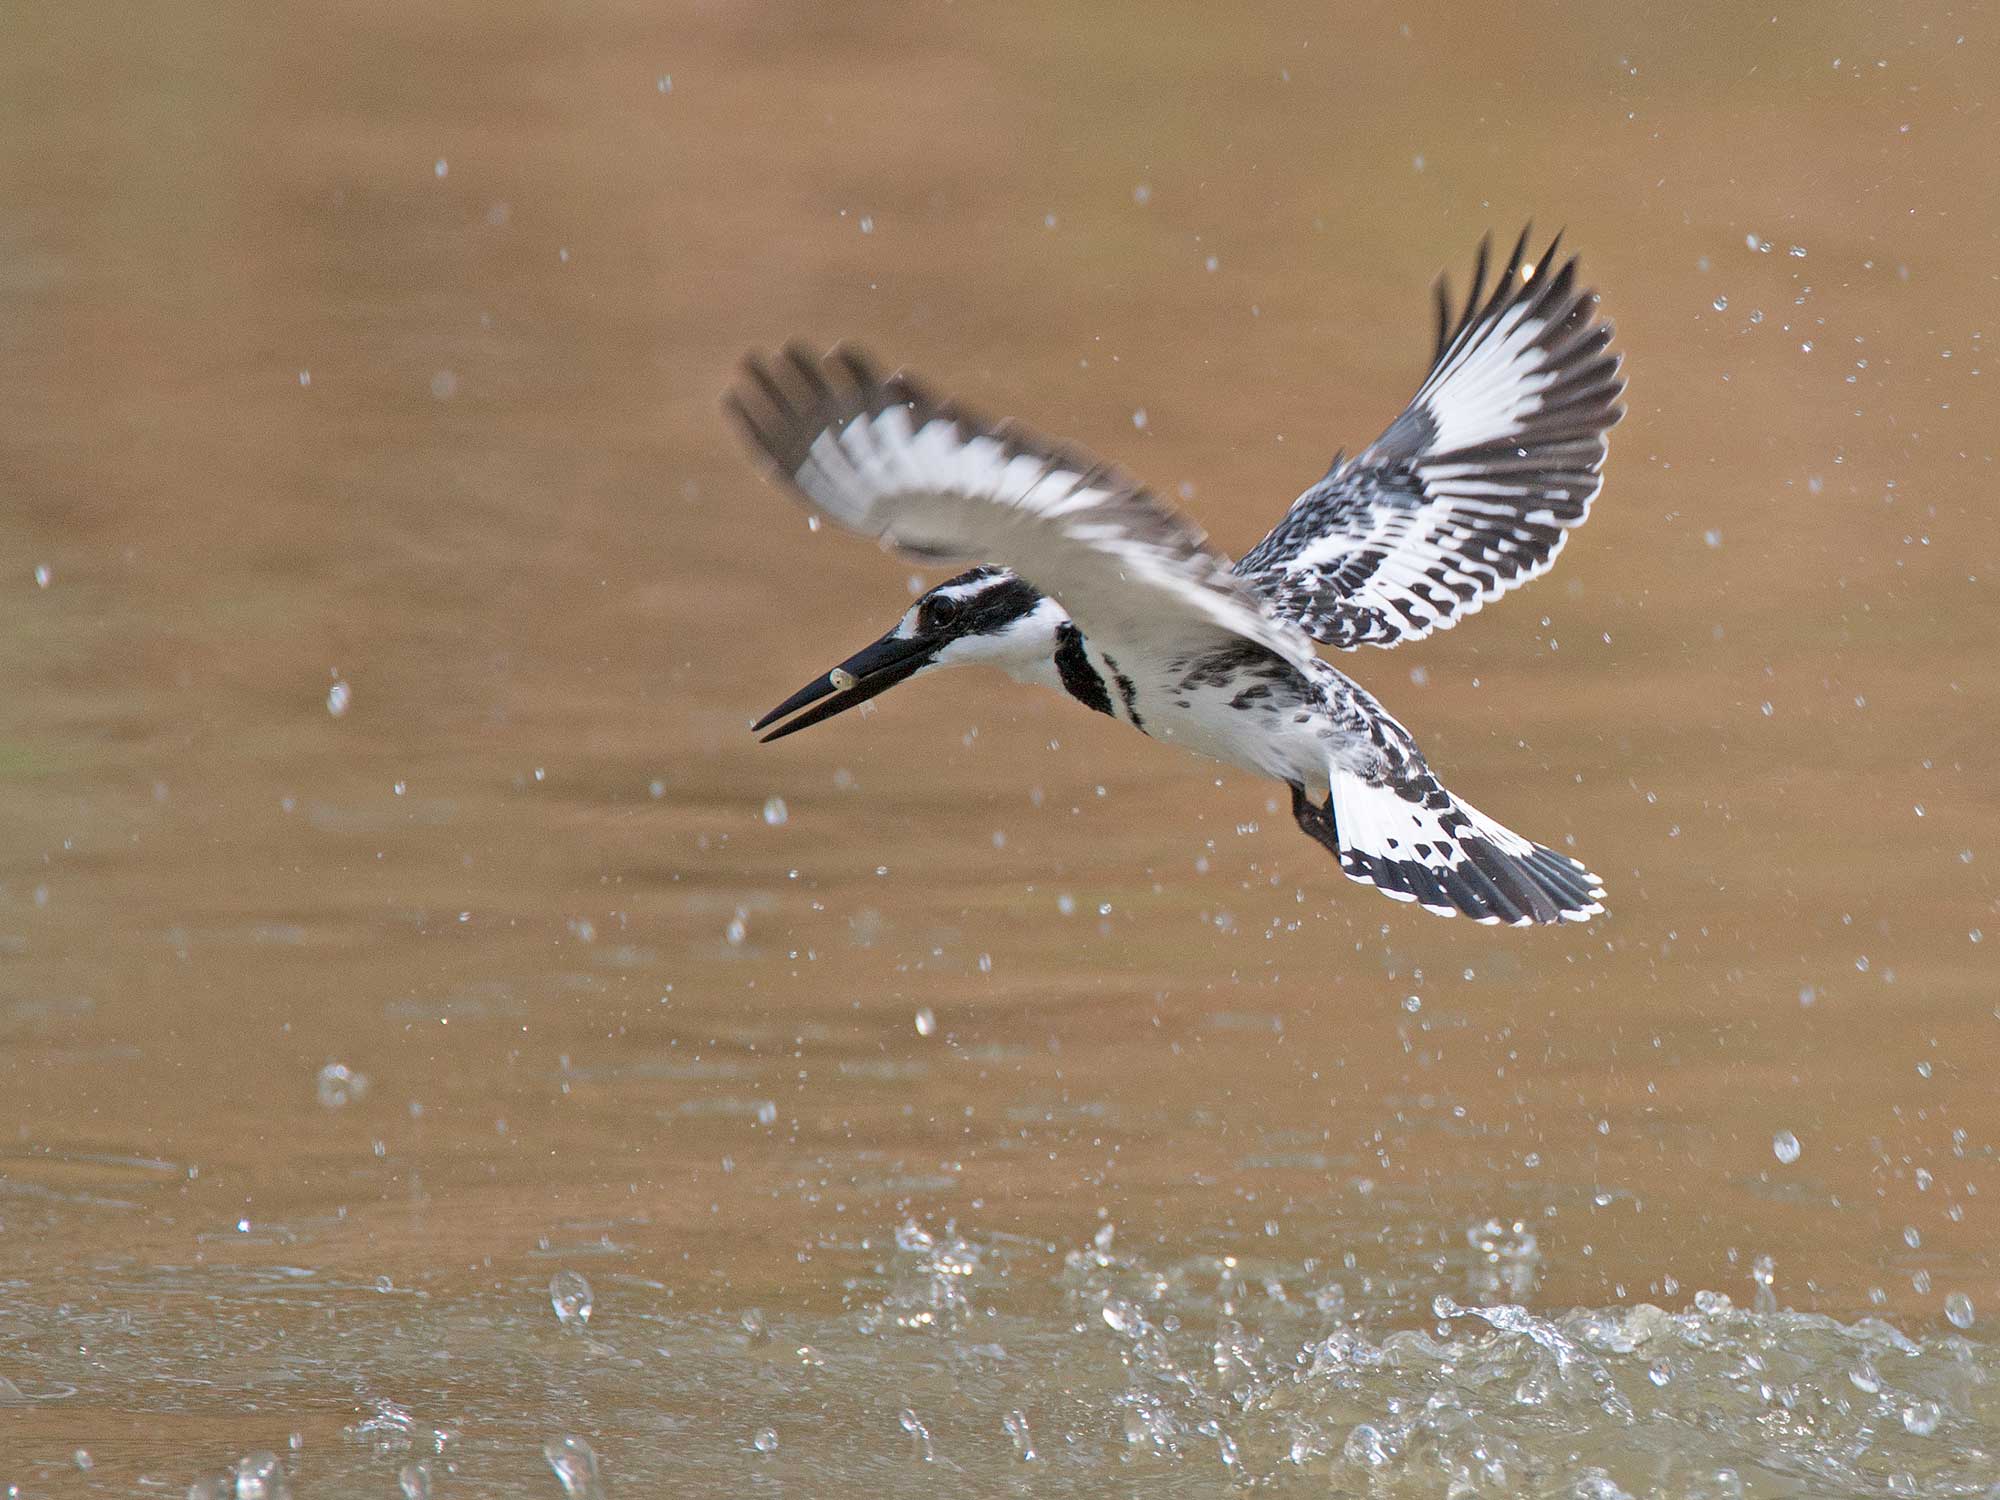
(441, 1052)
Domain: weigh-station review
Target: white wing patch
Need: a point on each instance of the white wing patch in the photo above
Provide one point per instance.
(888, 460)
(1473, 490)
(1488, 390)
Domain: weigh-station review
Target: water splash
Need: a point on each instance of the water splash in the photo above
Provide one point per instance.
(1506, 1259)
(929, 1277)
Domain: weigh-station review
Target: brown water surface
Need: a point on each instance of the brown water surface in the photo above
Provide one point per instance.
(365, 357)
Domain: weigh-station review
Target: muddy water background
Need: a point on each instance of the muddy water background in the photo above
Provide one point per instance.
(378, 346)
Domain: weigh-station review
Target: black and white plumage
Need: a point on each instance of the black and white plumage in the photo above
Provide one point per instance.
(1473, 490)
(1091, 585)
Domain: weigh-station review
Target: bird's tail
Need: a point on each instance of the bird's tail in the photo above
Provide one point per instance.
(1418, 843)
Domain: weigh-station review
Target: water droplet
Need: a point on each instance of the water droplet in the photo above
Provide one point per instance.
(575, 1463)
(416, 1481)
(1712, 537)
(766, 1440)
(1756, 315)
(339, 1085)
(1139, 419)
(42, 575)
(1142, 193)
(767, 1112)
(664, 83)
(1958, 1310)
(1797, 252)
(926, 1022)
(1212, 264)
(1920, 1418)
(569, 1295)
(1785, 1146)
(1911, 1237)
(738, 928)
(1722, 304)
(1764, 1272)
(1366, 1448)
(337, 698)
(867, 224)
(909, 1423)
(1016, 1425)
(776, 813)
(1413, 1003)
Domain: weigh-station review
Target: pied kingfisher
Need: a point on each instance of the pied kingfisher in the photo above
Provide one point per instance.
(1091, 585)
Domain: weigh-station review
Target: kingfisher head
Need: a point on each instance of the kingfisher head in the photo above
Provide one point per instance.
(987, 616)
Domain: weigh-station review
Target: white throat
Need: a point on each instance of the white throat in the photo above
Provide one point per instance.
(1025, 649)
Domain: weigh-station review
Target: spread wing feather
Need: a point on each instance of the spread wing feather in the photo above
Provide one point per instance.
(886, 458)
(1473, 490)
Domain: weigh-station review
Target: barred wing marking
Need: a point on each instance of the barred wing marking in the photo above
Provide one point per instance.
(889, 460)
(1473, 490)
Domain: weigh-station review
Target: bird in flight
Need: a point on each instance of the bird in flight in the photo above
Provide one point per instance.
(1088, 584)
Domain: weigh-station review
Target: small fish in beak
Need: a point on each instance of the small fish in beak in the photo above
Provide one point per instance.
(870, 671)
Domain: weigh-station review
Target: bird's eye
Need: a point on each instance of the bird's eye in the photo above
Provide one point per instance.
(943, 610)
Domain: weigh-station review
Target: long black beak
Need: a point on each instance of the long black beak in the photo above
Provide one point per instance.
(871, 670)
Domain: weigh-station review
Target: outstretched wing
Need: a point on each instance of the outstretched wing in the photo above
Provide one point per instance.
(1474, 488)
(889, 460)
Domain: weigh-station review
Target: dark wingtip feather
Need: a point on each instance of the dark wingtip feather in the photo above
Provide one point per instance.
(1549, 255)
(1478, 283)
(865, 380)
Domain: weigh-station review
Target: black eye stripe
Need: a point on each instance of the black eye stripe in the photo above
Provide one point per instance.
(977, 611)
